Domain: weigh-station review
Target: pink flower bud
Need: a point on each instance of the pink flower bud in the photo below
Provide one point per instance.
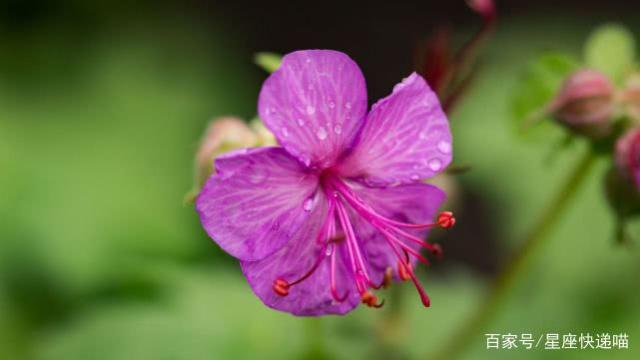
(627, 156)
(222, 135)
(585, 103)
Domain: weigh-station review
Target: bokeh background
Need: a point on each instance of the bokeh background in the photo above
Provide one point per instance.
(102, 104)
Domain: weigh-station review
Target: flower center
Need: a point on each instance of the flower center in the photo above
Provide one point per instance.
(341, 198)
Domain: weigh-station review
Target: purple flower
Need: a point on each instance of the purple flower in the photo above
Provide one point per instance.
(339, 209)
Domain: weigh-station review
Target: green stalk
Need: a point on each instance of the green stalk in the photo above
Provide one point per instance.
(315, 348)
(506, 280)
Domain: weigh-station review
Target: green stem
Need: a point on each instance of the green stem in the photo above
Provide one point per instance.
(506, 280)
(391, 328)
(314, 340)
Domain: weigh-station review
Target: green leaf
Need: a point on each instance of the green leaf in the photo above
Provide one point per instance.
(538, 85)
(268, 61)
(611, 49)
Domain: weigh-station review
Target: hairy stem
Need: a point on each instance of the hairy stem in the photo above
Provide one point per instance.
(517, 263)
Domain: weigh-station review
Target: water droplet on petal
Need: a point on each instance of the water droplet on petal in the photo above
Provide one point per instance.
(329, 250)
(285, 132)
(311, 110)
(415, 177)
(435, 164)
(300, 122)
(258, 176)
(337, 129)
(321, 133)
(347, 105)
(331, 104)
(423, 135)
(308, 205)
(444, 147)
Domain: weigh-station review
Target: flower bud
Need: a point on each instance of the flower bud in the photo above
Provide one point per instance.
(222, 135)
(264, 137)
(624, 200)
(627, 157)
(585, 103)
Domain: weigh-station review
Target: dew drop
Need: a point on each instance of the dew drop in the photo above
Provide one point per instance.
(415, 177)
(329, 250)
(444, 147)
(435, 164)
(311, 110)
(423, 135)
(300, 122)
(321, 133)
(347, 105)
(308, 205)
(331, 104)
(337, 129)
(258, 177)
(285, 132)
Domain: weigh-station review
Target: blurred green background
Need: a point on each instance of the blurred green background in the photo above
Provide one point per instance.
(101, 108)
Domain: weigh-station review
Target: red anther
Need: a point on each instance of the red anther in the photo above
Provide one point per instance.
(403, 271)
(437, 250)
(388, 277)
(446, 220)
(281, 287)
(371, 300)
(377, 286)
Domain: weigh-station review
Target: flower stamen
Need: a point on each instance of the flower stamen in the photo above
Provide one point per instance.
(358, 265)
(332, 278)
(403, 272)
(389, 228)
(281, 287)
(369, 299)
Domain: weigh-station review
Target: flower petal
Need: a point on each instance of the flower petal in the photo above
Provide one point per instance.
(405, 138)
(411, 203)
(314, 104)
(256, 202)
(312, 296)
